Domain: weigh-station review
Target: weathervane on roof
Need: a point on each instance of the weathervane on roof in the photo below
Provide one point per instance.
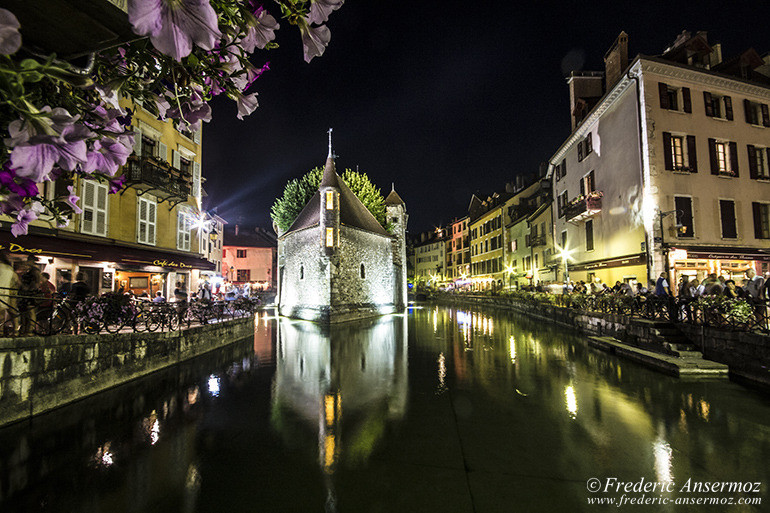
(331, 155)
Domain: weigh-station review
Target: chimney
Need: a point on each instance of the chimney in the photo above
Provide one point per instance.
(585, 88)
(616, 60)
(236, 230)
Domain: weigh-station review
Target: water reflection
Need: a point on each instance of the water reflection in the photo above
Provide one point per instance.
(344, 382)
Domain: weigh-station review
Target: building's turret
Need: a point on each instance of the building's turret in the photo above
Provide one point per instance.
(330, 205)
(397, 218)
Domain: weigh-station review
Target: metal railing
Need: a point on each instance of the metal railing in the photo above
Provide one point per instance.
(151, 171)
(24, 315)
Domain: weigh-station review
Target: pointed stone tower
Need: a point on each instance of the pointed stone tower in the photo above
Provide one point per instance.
(336, 262)
(397, 217)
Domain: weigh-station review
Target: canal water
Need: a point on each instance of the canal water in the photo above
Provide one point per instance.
(439, 409)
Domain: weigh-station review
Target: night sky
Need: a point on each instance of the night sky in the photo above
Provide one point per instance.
(443, 98)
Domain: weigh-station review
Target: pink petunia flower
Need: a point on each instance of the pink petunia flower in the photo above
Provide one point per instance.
(314, 39)
(321, 9)
(23, 218)
(10, 38)
(261, 34)
(174, 25)
(72, 200)
(247, 104)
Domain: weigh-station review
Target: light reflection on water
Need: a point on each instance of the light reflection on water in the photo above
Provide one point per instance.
(332, 417)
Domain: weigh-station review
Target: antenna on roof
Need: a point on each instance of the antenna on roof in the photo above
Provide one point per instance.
(331, 155)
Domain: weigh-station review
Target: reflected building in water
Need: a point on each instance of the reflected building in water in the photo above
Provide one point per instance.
(342, 383)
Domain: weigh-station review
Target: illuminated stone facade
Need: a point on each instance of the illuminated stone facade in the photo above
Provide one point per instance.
(336, 263)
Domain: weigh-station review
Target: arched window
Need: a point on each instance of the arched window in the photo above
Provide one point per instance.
(363, 272)
(301, 272)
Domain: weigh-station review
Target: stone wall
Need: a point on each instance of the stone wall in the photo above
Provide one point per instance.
(38, 374)
(303, 275)
(348, 288)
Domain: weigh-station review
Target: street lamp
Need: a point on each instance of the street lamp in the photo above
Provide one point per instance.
(663, 247)
(564, 254)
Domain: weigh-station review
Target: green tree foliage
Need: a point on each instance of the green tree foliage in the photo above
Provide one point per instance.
(299, 191)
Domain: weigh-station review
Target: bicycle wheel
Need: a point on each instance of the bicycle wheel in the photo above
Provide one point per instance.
(91, 326)
(114, 325)
(51, 325)
(152, 320)
(172, 320)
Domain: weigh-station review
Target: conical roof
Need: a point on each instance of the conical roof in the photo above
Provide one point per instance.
(394, 199)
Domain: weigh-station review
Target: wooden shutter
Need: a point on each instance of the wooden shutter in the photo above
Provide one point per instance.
(589, 144)
(163, 152)
(563, 168)
(728, 107)
(182, 230)
(196, 185)
(663, 94)
(137, 142)
(757, 210)
(89, 207)
(176, 159)
(151, 221)
(692, 154)
(713, 157)
(727, 217)
(197, 136)
(146, 217)
(708, 104)
(141, 215)
(734, 158)
(580, 151)
(753, 172)
(100, 221)
(765, 115)
(686, 100)
(667, 157)
(747, 111)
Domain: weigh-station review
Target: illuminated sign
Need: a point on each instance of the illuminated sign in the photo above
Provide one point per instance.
(166, 263)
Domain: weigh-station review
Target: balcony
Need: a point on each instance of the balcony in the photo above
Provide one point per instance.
(583, 207)
(537, 240)
(147, 174)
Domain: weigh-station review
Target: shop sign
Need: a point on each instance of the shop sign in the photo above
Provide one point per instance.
(18, 248)
(611, 262)
(166, 263)
(728, 256)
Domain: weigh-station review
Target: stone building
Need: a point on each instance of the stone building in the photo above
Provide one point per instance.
(336, 263)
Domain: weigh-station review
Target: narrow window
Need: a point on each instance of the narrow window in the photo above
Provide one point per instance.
(330, 237)
(301, 272)
(727, 216)
(677, 153)
(589, 235)
(761, 213)
(363, 272)
(684, 217)
(329, 200)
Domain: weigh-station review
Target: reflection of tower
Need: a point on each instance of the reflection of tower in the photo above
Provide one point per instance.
(397, 217)
(353, 374)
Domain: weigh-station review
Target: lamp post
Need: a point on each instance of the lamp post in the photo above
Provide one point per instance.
(564, 254)
(663, 247)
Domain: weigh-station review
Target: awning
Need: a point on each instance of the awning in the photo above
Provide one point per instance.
(61, 246)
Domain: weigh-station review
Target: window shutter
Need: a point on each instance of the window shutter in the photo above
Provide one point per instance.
(151, 210)
(708, 104)
(728, 108)
(197, 136)
(137, 142)
(580, 151)
(180, 229)
(663, 94)
(196, 187)
(757, 208)
(176, 159)
(734, 158)
(713, 157)
(163, 152)
(753, 173)
(686, 101)
(100, 225)
(89, 207)
(765, 115)
(589, 144)
(727, 216)
(747, 111)
(667, 157)
(692, 154)
(583, 186)
(141, 235)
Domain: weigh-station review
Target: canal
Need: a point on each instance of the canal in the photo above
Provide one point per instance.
(440, 409)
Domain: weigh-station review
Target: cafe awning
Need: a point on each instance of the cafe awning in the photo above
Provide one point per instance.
(88, 250)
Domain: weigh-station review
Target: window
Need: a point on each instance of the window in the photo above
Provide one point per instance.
(724, 157)
(330, 202)
(93, 220)
(514, 245)
(588, 183)
(528, 262)
(183, 229)
(561, 203)
(240, 253)
(244, 275)
(363, 272)
(224, 252)
(761, 213)
(564, 239)
(727, 216)
(684, 217)
(301, 272)
(561, 170)
(718, 106)
(330, 237)
(679, 152)
(585, 147)
(672, 98)
(756, 113)
(759, 158)
(590, 235)
(146, 221)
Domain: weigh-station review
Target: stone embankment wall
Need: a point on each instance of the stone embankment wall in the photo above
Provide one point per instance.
(38, 374)
(747, 354)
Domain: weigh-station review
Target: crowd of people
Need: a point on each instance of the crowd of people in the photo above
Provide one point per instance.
(753, 287)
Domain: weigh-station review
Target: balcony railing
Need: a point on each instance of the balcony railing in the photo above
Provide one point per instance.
(537, 240)
(583, 207)
(160, 176)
